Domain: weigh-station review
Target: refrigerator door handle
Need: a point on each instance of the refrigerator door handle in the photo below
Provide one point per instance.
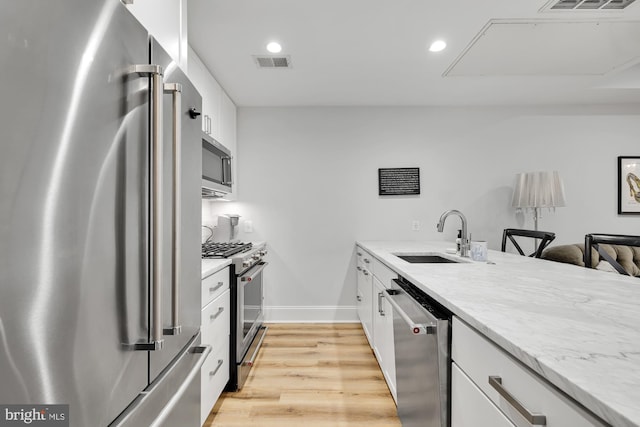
(176, 90)
(155, 72)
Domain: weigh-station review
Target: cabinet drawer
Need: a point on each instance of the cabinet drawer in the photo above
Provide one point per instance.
(214, 376)
(364, 258)
(216, 321)
(383, 273)
(214, 285)
(470, 407)
(479, 358)
(361, 254)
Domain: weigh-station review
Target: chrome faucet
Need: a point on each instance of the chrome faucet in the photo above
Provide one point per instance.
(464, 242)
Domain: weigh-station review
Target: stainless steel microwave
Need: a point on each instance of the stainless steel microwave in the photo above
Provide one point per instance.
(216, 168)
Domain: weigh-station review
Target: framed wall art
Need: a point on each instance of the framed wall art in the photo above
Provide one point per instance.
(398, 181)
(629, 185)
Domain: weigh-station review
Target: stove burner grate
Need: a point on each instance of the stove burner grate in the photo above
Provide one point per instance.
(223, 250)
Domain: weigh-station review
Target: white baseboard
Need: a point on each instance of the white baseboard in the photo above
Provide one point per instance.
(311, 314)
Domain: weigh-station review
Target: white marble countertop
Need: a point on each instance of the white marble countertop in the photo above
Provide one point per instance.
(210, 266)
(578, 328)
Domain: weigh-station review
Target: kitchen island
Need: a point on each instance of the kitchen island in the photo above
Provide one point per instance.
(577, 328)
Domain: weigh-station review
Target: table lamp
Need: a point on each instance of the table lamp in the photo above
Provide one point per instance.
(535, 190)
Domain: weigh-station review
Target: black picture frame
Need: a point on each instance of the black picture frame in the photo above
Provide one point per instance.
(628, 185)
(399, 181)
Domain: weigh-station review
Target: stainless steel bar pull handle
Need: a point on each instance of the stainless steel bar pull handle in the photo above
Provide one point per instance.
(533, 418)
(176, 242)
(216, 287)
(255, 273)
(252, 359)
(226, 170)
(215, 316)
(217, 368)
(380, 310)
(416, 328)
(155, 73)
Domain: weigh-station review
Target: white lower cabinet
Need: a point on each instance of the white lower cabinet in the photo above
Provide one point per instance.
(215, 329)
(216, 322)
(214, 377)
(470, 407)
(364, 295)
(375, 312)
(483, 363)
(214, 285)
(383, 345)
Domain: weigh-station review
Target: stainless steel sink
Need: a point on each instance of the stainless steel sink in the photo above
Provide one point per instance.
(426, 259)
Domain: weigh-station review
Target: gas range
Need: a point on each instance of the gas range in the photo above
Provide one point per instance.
(244, 255)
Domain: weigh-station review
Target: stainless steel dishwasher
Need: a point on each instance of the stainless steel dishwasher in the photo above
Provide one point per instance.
(421, 329)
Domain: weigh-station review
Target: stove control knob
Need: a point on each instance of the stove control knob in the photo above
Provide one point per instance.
(246, 263)
(256, 256)
(263, 253)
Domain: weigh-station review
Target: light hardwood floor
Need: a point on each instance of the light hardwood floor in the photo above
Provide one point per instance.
(310, 375)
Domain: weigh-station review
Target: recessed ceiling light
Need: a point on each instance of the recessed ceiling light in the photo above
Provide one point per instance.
(437, 46)
(274, 47)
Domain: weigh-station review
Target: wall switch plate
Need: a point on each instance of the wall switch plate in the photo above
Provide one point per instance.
(415, 225)
(248, 226)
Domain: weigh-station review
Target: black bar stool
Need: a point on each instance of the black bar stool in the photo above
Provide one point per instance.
(545, 238)
(594, 241)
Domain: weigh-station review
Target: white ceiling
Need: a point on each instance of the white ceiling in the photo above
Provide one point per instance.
(375, 52)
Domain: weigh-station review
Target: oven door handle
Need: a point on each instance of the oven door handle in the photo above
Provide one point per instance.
(249, 278)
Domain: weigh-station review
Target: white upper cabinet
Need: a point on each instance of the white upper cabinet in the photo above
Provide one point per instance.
(166, 21)
(218, 111)
(228, 138)
(211, 96)
(227, 122)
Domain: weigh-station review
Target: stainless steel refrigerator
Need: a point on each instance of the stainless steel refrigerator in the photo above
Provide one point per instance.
(100, 170)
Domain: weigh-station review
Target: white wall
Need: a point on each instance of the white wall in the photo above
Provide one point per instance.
(308, 182)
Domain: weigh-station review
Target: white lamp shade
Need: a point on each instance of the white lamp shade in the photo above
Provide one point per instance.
(538, 190)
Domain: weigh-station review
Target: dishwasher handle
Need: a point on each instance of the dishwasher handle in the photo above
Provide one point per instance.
(416, 328)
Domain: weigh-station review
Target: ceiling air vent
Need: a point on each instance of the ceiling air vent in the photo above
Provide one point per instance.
(273, 61)
(590, 4)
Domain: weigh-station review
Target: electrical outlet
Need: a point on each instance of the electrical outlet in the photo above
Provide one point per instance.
(248, 226)
(415, 225)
